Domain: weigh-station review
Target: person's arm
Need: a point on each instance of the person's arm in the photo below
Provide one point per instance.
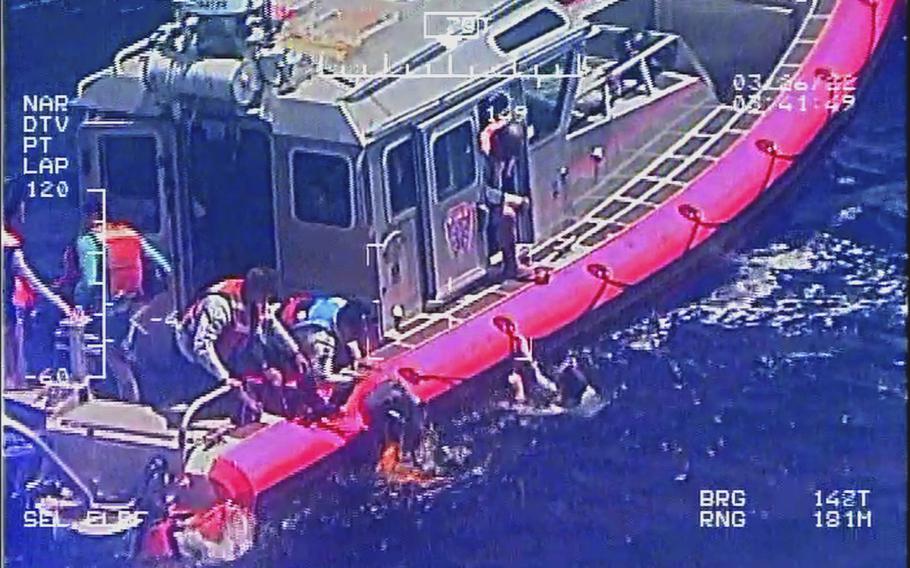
(22, 267)
(213, 320)
(274, 327)
(321, 345)
(153, 253)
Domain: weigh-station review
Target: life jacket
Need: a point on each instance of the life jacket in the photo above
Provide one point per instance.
(24, 296)
(486, 135)
(295, 308)
(158, 541)
(11, 243)
(237, 333)
(124, 259)
(123, 247)
(324, 313)
(220, 534)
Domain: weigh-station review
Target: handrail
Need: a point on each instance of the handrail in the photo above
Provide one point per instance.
(35, 439)
(647, 52)
(192, 410)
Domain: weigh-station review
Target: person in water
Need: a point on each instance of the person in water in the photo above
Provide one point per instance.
(227, 317)
(134, 271)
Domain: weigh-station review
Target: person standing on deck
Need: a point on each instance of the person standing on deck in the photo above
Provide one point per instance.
(19, 285)
(502, 141)
(219, 326)
(128, 282)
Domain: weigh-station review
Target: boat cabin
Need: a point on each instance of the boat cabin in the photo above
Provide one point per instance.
(341, 146)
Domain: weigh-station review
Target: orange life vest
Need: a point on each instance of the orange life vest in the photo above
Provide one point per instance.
(486, 135)
(124, 263)
(294, 307)
(24, 296)
(234, 336)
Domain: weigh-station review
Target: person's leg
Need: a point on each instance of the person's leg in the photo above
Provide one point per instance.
(507, 234)
(127, 385)
(13, 371)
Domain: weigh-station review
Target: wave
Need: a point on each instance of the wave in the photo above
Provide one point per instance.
(790, 289)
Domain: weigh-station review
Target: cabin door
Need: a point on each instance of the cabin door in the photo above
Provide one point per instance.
(399, 251)
(456, 254)
(227, 202)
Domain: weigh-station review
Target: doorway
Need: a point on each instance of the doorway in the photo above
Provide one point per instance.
(230, 201)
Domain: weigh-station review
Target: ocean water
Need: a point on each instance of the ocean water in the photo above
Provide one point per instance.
(777, 367)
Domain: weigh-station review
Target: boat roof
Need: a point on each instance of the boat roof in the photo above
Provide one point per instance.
(356, 62)
(357, 52)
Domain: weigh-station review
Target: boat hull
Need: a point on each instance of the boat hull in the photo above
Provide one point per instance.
(771, 149)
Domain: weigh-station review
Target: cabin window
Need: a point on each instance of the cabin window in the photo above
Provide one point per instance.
(322, 188)
(129, 173)
(528, 29)
(453, 160)
(545, 96)
(401, 172)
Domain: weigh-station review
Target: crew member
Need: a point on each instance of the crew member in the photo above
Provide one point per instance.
(226, 319)
(332, 337)
(505, 148)
(19, 282)
(129, 285)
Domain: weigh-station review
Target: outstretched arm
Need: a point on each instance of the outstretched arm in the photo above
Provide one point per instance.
(21, 266)
(214, 319)
(153, 253)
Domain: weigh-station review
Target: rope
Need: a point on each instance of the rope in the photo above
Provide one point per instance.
(605, 275)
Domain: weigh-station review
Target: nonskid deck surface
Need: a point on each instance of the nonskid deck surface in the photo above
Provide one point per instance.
(664, 175)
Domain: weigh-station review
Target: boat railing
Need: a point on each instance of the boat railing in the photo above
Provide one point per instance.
(191, 412)
(33, 437)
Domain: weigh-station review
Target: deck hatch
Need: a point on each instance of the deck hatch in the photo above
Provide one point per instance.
(426, 333)
(692, 170)
(664, 193)
(635, 214)
(746, 121)
(690, 146)
(639, 188)
(479, 304)
(720, 119)
(602, 235)
(664, 168)
(611, 209)
(722, 144)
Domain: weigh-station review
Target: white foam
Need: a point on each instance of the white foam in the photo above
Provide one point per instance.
(789, 289)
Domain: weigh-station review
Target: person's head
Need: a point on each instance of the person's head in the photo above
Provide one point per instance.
(500, 105)
(260, 286)
(92, 214)
(351, 322)
(13, 201)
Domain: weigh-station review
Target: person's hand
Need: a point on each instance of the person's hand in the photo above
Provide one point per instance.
(302, 364)
(234, 382)
(249, 401)
(274, 376)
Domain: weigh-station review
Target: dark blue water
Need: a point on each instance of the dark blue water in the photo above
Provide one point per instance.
(776, 367)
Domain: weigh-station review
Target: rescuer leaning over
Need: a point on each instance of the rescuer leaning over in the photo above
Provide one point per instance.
(135, 270)
(217, 330)
(19, 286)
(332, 335)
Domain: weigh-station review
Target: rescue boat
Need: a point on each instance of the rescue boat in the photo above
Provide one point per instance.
(340, 139)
